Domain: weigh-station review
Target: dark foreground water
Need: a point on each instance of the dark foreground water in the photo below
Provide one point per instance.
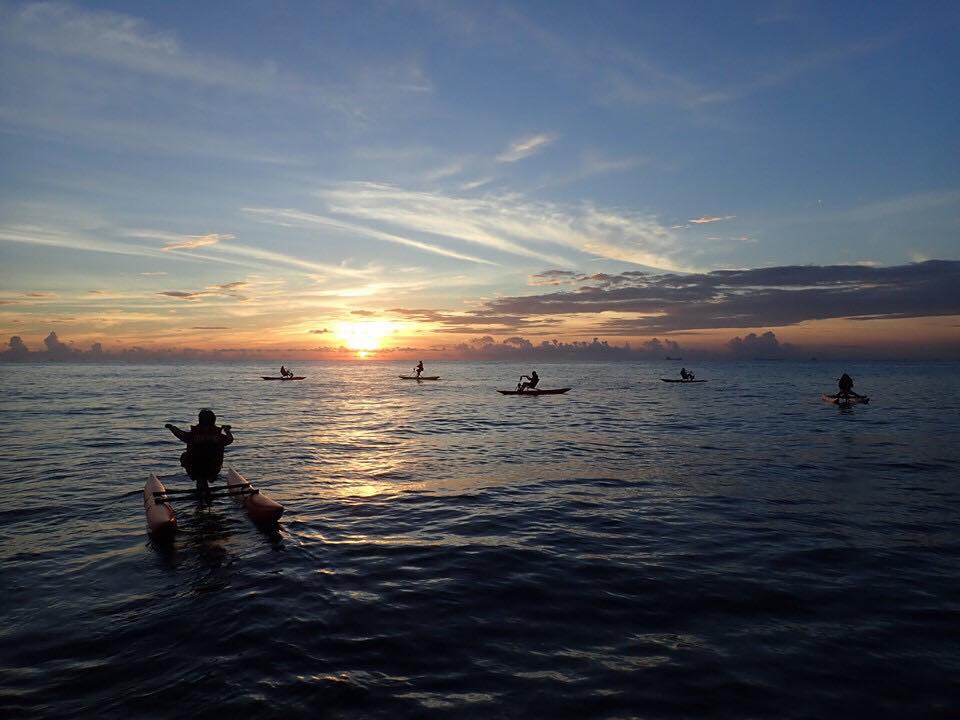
(632, 549)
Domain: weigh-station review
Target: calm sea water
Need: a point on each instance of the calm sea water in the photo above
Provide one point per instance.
(632, 549)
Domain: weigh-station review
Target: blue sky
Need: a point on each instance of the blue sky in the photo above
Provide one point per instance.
(277, 168)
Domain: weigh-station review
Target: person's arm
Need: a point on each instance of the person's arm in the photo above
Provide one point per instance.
(180, 434)
(228, 436)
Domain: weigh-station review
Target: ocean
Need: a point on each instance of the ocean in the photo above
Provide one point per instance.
(632, 549)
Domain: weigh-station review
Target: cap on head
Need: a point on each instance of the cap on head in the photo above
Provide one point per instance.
(206, 417)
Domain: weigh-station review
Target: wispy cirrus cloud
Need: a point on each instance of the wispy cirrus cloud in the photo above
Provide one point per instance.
(477, 183)
(72, 240)
(289, 217)
(125, 42)
(184, 248)
(708, 219)
(508, 223)
(621, 74)
(912, 203)
(449, 170)
(593, 164)
(175, 241)
(180, 245)
(197, 241)
(230, 289)
(525, 147)
(258, 255)
(112, 78)
(121, 41)
(787, 71)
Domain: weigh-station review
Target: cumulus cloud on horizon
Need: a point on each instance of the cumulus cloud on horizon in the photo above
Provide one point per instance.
(765, 346)
(479, 348)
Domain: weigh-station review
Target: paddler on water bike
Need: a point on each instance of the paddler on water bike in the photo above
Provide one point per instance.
(285, 373)
(532, 377)
(418, 369)
(845, 383)
(686, 375)
(205, 441)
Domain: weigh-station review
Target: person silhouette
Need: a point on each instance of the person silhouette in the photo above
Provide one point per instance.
(845, 383)
(531, 385)
(205, 441)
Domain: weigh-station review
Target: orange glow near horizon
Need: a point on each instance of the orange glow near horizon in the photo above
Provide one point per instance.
(370, 338)
(364, 337)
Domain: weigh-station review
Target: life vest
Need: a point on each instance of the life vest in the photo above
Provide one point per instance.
(206, 443)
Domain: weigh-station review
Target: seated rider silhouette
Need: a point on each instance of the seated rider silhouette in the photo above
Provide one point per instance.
(532, 377)
(845, 383)
(686, 375)
(205, 441)
(419, 368)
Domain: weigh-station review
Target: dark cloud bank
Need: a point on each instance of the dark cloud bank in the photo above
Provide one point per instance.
(762, 297)
(635, 303)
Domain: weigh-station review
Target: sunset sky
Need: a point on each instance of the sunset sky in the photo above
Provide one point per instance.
(281, 176)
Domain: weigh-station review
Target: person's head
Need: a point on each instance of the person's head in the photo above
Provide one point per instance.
(206, 417)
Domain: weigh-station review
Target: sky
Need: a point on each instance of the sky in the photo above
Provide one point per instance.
(479, 179)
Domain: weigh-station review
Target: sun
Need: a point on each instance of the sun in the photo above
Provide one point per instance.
(364, 337)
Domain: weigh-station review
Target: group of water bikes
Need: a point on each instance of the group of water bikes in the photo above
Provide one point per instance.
(529, 384)
(203, 457)
(526, 386)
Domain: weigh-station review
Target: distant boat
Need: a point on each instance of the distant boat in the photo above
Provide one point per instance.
(670, 358)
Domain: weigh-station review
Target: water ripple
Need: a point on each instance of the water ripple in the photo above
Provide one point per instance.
(631, 549)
